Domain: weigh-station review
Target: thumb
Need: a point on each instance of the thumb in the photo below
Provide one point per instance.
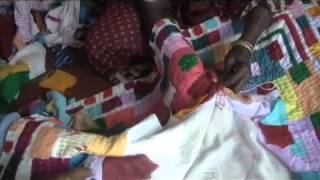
(229, 63)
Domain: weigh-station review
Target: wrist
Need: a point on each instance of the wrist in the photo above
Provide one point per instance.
(247, 46)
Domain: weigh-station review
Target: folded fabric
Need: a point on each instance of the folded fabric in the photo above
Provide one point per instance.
(5, 123)
(34, 55)
(59, 106)
(59, 81)
(11, 86)
(62, 22)
(8, 70)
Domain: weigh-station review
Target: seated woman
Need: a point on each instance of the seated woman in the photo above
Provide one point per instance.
(116, 40)
(24, 13)
(110, 48)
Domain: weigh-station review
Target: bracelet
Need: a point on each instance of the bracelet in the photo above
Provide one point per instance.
(244, 44)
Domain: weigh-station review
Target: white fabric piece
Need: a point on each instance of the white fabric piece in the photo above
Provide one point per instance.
(63, 30)
(212, 143)
(151, 125)
(95, 164)
(35, 56)
(255, 109)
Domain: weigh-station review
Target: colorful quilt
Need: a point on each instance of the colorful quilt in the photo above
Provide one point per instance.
(287, 57)
(286, 60)
(37, 147)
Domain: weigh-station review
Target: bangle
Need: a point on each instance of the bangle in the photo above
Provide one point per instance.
(244, 44)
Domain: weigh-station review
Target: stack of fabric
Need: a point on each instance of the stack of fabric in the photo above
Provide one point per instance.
(26, 65)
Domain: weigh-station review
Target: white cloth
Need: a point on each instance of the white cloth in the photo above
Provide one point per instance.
(212, 143)
(35, 56)
(63, 28)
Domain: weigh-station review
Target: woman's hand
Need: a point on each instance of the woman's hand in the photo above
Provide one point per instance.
(39, 20)
(237, 68)
(18, 41)
(237, 64)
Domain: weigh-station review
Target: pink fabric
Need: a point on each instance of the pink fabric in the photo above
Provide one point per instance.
(23, 16)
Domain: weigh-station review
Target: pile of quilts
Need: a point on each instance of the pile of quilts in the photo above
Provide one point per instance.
(25, 66)
(216, 139)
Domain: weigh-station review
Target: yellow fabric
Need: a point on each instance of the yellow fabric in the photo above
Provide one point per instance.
(50, 107)
(7, 70)
(314, 11)
(227, 92)
(185, 112)
(111, 146)
(59, 81)
(315, 49)
(285, 85)
(46, 137)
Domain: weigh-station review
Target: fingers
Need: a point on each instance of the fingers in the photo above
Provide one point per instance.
(240, 84)
(229, 63)
(238, 79)
(233, 78)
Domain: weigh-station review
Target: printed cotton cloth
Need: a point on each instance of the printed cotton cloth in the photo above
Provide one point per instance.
(23, 16)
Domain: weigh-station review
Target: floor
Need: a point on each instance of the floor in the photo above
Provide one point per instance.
(89, 81)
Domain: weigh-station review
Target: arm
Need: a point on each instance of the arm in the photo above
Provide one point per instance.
(23, 19)
(181, 65)
(237, 65)
(151, 11)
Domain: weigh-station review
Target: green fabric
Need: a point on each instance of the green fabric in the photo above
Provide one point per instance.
(299, 73)
(187, 62)
(4, 107)
(11, 86)
(316, 120)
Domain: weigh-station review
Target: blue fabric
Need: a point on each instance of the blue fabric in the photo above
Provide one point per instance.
(3, 62)
(306, 176)
(5, 122)
(39, 108)
(278, 116)
(77, 161)
(60, 103)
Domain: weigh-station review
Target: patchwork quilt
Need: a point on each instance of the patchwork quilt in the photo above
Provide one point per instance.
(286, 60)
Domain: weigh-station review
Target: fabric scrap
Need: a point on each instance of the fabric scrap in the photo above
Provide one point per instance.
(59, 81)
(59, 104)
(5, 122)
(35, 56)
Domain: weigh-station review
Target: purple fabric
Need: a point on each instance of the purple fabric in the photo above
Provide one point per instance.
(23, 17)
(302, 130)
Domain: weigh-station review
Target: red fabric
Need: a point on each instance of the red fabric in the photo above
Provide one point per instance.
(128, 168)
(277, 135)
(275, 51)
(116, 39)
(7, 32)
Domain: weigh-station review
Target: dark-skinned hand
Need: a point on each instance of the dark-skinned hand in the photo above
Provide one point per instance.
(237, 68)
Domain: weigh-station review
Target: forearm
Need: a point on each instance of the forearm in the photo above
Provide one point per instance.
(256, 21)
(151, 11)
